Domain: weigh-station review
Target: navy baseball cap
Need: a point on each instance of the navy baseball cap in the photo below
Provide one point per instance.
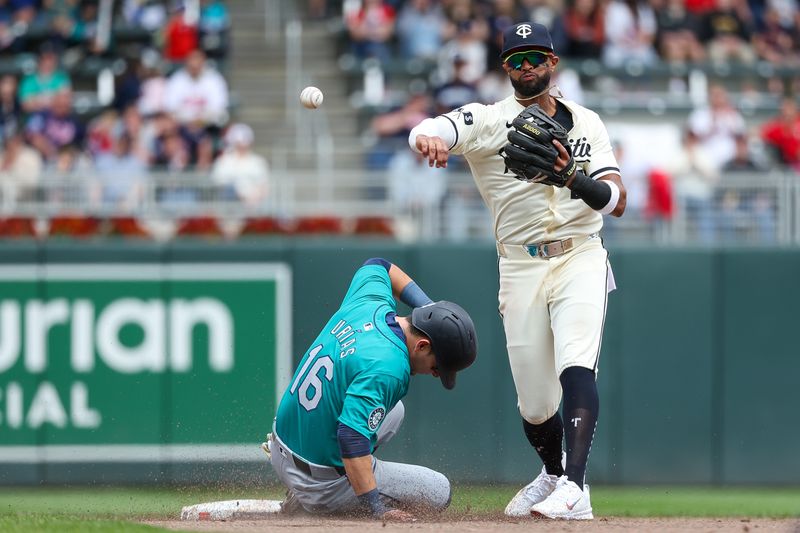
(452, 335)
(524, 36)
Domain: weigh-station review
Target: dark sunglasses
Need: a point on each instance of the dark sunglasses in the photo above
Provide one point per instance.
(534, 57)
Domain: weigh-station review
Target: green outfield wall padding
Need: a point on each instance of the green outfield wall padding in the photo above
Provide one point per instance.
(759, 372)
(697, 374)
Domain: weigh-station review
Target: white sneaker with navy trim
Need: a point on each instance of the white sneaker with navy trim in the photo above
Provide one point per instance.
(531, 494)
(534, 492)
(567, 502)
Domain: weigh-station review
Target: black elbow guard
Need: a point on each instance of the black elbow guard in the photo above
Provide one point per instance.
(596, 194)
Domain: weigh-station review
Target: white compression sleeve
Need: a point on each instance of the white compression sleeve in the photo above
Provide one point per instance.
(613, 201)
(433, 127)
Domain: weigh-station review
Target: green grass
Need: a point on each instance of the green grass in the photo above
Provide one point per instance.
(45, 523)
(50, 510)
(120, 502)
(96, 510)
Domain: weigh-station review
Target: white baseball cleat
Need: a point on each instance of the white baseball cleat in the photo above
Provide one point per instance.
(567, 502)
(534, 492)
(531, 494)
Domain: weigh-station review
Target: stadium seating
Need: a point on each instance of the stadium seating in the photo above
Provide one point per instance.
(379, 226)
(264, 226)
(318, 225)
(74, 226)
(201, 226)
(18, 227)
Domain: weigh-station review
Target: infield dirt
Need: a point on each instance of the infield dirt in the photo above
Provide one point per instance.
(489, 524)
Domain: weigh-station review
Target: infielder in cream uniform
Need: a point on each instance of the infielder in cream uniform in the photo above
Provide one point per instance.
(554, 270)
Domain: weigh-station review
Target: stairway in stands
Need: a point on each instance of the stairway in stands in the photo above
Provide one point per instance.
(257, 76)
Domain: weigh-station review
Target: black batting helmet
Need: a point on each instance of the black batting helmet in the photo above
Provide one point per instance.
(452, 335)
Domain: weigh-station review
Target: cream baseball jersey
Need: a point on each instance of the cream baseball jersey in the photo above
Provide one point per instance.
(523, 212)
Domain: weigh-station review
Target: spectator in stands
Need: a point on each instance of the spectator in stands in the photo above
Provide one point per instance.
(53, 129)
(504, 13)
(676, 39)
(456, 92)
(318, 9)
(25, 12)
(550, 14)
(392, 129)
(22, 15)
(197, 93)
(465, 34)
(10, 108)
(494, 86)
(7, 33)
(465, 15)
(38, 89)
(371, 29)
(170, 151)
(20, 168)
(128, 84)
(777, 42)
(637, 167)
(584, 25)
(748, 207)
(215, 25)
(417, 192)
(181, 36)
(726, 32)
(568, 82)
(717, 125)
(472, 52)
(85, 29)
(695, 175)
(120, 176)
(149, 15)
(742, 160)
(57, 18)
(419, 30)
(141, 134)
(153, 86)
(66, 175)
(197, 96)
(101, 134)
(243, 174)
(782, 134)
(630, 29)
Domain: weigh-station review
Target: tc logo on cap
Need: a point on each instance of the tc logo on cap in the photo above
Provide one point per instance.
(524, 30)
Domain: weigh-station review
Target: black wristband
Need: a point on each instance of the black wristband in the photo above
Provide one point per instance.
(596, 194)
(372, 502)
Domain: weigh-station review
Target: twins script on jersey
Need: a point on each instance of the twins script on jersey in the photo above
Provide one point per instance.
(530, 212)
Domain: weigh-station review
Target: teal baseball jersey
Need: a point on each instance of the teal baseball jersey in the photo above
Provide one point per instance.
(355, 372)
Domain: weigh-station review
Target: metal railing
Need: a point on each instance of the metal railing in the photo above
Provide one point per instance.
(747, 209)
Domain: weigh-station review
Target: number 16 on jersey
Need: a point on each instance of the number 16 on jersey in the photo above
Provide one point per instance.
(312, 378)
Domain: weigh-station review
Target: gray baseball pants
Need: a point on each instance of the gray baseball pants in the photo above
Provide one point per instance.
(325, 490)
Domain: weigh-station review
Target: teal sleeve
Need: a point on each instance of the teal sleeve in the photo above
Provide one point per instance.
(369, 398)
(25, 88)
(370, 282)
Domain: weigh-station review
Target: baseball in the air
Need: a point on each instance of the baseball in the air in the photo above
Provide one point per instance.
(311, 97)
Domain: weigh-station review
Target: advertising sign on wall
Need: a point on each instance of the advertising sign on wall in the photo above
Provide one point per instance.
(141, 362)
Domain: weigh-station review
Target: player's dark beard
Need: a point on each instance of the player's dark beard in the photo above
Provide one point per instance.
(535, 87)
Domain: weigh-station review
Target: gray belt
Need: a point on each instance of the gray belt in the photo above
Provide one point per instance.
(544, 250)
(315, 471)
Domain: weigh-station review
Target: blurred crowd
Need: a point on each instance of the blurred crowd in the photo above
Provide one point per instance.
(460, 39)
(612, 31)
(170, 110)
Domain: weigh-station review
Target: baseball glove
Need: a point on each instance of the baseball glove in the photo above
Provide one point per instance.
(530, 154)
